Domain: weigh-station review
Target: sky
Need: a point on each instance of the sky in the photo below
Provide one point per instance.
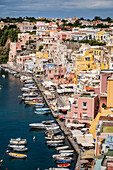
(56, 8)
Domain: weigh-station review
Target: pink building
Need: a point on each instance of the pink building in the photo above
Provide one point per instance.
(104, 75)
(84, 108)
(56, 73)
(12, 52)
(23, 38)
(22, 59)
(25, 26)
(61, 35)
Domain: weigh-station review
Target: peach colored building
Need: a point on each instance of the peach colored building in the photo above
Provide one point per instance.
(23, 38)
(25, 26)
(84, 108)
(12, 52)
(22, 59)
(56, 73)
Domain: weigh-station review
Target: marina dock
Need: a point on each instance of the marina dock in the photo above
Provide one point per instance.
(55, 115)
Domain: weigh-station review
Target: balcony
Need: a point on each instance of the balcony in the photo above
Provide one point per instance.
(84, 107)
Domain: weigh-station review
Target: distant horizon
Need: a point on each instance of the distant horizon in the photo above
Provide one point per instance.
(24, 17)
(87, 9)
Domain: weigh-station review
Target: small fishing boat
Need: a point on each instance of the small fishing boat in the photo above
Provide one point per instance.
(62, 148)
(63, 161)
(55, 141)
(39, 104)
(66, 151)
(63, 158)
(20, 149)
(53, 132)
(17, 155)
(42, 125)
(18, 141)
(54, 144)
(15, 146)
(52, 137)
(62, 155)
(58, 168)
(42, 109)
(63, 165)
(42, 112)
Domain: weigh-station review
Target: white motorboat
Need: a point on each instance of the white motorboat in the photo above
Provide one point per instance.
(55, 141)
(66, 151)
(58, 137)
(42, 125)
(62, 155)
(42, 109)
(62, 148)
(16, 146)
(18, 141)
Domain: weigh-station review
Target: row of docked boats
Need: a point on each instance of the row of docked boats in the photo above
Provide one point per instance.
(17, 145)
(55, 138)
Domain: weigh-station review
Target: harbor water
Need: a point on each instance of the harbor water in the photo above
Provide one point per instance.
(14, 122)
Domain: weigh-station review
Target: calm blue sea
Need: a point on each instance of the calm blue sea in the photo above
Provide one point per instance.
(14, 122)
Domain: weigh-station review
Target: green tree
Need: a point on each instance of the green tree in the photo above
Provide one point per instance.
(40, 48)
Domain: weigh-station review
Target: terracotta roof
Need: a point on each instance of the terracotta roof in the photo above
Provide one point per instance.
(89, 88)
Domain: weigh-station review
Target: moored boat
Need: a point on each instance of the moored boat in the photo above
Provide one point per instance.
(42, 125)
(42, 109)
(58, 137)
(64, 165)
(54, 144)
(18, 141)
(63, 161)
(62, 148)
(66, 151)
(17, 155)
(42, 112)
(15, 146)
(55, 141)
(20, 149)
(62, 155)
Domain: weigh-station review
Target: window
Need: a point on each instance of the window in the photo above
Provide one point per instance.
(88, 66)
(88, 58)
(84, 114)
(76, 108)
(99, 53)
(49, 71)
(61, 71)
(55, 71)
(75, 115)
(84, 104)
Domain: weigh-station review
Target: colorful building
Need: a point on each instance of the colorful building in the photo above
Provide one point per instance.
(85, 62)
(84, 108)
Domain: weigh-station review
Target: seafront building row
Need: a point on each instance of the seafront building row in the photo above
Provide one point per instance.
(77, 79)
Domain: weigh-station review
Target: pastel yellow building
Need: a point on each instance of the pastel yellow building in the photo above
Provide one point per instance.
(104, 66)
(86, 62)
(110, 92)
(99, 35)
(96, 51)
(40, 55)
